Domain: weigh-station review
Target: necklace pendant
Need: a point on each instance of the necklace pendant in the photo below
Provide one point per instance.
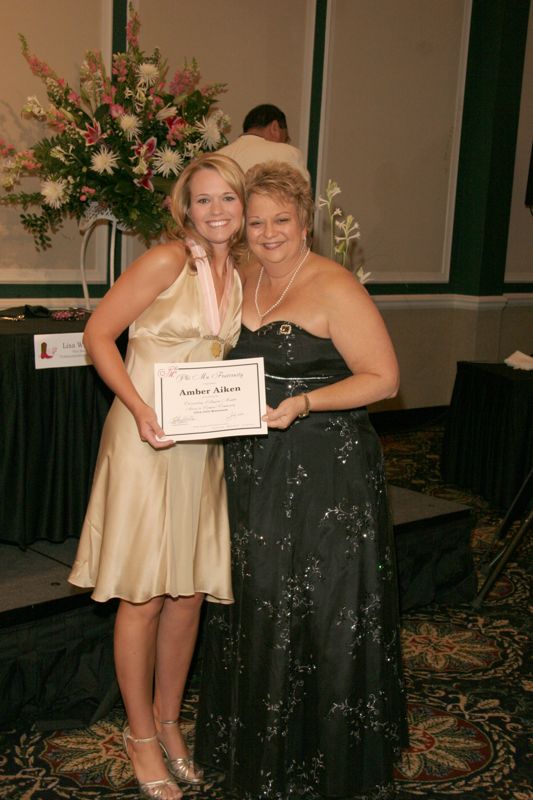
(216, 349)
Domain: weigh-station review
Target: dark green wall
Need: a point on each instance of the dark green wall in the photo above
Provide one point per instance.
(488, 142)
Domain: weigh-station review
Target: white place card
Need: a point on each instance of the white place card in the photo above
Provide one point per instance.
(53, 350)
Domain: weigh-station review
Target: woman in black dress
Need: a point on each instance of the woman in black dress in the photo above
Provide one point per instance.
(302, 685)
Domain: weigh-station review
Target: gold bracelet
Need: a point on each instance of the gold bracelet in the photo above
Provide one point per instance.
(307, 409)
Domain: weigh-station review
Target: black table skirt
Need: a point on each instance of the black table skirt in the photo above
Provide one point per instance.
(488, 441)
(51, 422)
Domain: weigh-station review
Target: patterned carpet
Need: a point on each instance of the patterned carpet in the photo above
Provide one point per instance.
(466, 673)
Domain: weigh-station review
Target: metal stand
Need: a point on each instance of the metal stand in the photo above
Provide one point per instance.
(492, 565)
(96, 213)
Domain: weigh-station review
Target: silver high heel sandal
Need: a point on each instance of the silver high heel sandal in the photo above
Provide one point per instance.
(153, 790)
(184, 769)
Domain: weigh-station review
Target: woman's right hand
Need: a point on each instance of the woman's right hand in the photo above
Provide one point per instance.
(149, 428)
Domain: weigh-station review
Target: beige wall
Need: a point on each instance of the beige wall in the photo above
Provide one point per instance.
(431, 334)
(58, 32)
(258, 48)
(391, 128)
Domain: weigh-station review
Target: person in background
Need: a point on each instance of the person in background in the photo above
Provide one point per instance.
(156, 531)
(265, 137)
(302, 691)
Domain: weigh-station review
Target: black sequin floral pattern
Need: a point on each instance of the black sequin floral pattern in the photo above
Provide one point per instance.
(313, 705)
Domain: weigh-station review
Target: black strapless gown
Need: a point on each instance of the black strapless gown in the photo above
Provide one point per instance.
(302, 692)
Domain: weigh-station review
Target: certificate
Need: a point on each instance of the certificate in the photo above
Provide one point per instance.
(210, 399)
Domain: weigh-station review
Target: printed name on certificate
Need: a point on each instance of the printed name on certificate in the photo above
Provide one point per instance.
(211, 399)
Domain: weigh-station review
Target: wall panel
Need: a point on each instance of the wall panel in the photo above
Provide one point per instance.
(391, 127)
(77, 26)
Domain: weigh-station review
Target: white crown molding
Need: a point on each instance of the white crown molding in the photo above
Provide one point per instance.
(520, 299)
(454, 302)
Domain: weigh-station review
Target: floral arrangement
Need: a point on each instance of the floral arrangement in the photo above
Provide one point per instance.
(343, 230)
(118, 144)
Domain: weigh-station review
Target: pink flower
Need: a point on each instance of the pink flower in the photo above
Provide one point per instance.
(30, 165)
(74, 98)
(92, 134)
(6, 149)
(119, 65)
(39, 68)
(116, 110)
(184, 81)
(176, 129)
(145, 182)
(132, 31)
(146, 149)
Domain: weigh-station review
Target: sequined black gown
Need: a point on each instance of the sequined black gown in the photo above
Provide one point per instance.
(301, 690)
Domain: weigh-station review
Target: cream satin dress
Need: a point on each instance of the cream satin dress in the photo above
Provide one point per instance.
(157, 522)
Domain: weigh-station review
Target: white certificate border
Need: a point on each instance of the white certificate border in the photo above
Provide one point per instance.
(259, 429)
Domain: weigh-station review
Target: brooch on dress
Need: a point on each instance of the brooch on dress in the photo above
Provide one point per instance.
(285, 328)
(216, 345)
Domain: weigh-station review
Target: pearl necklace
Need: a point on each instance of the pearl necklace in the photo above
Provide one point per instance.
(284, 292)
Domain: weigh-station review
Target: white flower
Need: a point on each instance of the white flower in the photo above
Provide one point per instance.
(148, 73)
(208, 127)
(141, 167)
(166, 112)
(33, 107)
(222, 120)
(140, 98)
(349, 229)
(54, 193)
(192, 149)
(362, 276)
(60, 153)
(167, 161)
(129, 123)
(104, 160)
(332, 189)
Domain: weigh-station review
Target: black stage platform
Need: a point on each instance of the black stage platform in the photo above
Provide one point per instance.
(56, 644)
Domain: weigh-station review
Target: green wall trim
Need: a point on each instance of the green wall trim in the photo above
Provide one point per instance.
(120, 19)
(321, 12)
(22, 291)
(488, 143)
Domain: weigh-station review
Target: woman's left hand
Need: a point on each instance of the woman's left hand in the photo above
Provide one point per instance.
(284, 415)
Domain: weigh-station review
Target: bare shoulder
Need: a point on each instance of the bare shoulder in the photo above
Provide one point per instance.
(160, 264)
(333, 280)
(170, 255)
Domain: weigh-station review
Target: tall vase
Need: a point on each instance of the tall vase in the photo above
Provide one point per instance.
(97, 213)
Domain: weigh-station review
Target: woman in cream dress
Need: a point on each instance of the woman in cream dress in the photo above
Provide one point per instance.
(156, 533)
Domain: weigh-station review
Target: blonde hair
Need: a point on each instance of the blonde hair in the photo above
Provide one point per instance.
(180, 199)
(281, 180)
